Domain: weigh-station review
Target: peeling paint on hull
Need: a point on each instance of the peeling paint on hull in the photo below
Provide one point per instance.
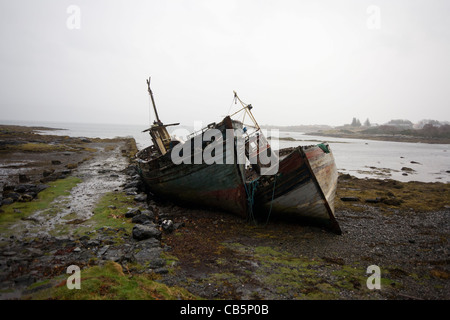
(304, 187)
(219, 186)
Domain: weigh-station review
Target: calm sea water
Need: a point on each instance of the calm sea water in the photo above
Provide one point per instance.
(383, 159)
(361, 158)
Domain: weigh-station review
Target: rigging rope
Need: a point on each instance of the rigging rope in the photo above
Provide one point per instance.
(231, 105)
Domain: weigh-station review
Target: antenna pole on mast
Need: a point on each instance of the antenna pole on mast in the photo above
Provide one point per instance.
(153, 100)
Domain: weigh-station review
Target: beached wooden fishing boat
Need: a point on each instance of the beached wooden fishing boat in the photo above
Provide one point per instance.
(303, 183)
(220, 186)
(303, 187)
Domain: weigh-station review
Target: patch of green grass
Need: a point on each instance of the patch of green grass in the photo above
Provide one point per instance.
(349, 278)
(289, 275)
(19, 210)
(296, 277)
(268, 251)
(89, 149)
(110, 213)
(170, 259)
(394, 194)
(227, 277)
(353, 278)
(321, 291)
(39, 147)
(39, 284)
(221, 261)
(109, 282)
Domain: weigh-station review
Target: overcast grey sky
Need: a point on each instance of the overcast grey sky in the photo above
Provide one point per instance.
(297, 62)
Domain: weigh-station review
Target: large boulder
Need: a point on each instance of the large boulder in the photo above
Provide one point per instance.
(142, 232)
(150, 257)
(142, 219)
(132, 212)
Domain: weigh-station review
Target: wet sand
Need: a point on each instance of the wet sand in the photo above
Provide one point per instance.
(403, 229)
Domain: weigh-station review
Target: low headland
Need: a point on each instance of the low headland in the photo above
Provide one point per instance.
(426, 131)
(385, 133)
(80, 202)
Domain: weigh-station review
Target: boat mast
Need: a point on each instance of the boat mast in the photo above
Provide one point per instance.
(160, 137)
(153, 100)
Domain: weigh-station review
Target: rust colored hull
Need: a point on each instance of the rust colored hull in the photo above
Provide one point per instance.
(304, 187)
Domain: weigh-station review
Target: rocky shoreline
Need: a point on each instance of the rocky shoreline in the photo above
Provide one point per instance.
(38, 245)
(27, 261)
(99, 217)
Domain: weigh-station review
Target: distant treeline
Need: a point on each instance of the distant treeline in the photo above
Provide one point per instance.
(403, 123)
(427, 131)
(424, 128)
(431, 131)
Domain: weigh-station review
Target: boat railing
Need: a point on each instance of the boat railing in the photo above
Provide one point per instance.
(201, 131)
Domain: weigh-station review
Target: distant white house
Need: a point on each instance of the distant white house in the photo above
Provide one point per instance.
(400, 123)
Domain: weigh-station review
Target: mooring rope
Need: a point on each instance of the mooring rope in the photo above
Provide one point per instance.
(271, 201)
(251, 190)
